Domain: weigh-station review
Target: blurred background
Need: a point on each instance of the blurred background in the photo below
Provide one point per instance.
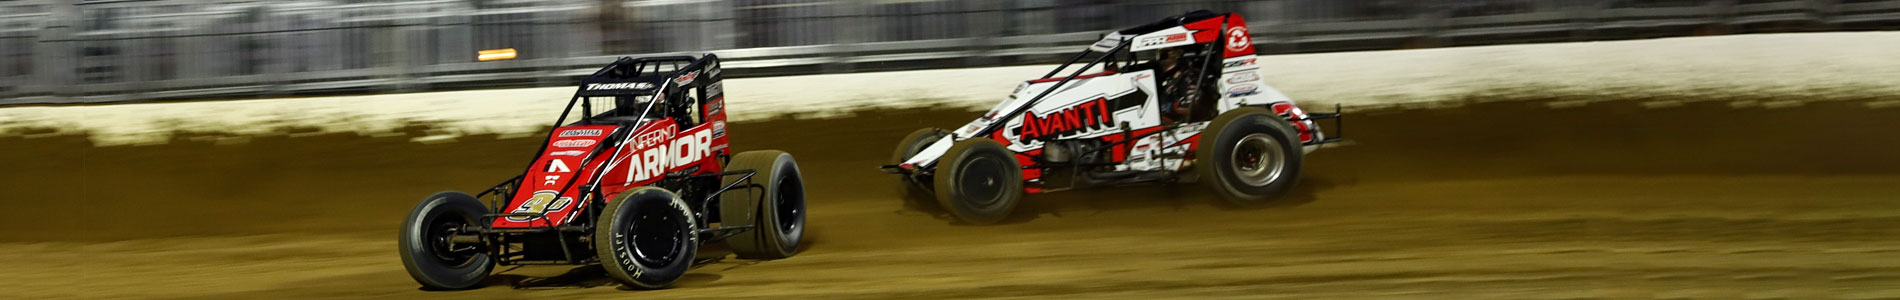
(91, 51)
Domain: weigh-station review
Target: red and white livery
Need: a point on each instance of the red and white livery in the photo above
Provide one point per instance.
(1177, 100)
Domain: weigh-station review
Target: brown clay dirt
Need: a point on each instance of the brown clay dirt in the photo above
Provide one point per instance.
(1504, 200)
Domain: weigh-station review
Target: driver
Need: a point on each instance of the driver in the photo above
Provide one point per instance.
(1178, 89)
(681, 110)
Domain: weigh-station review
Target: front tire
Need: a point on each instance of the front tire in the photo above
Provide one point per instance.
(778, 221)
(646, 238)
(913, 193)
(1250, 156)
(979, 181)
(427, 252)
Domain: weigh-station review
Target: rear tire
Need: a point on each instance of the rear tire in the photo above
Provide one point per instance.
(913, 193)
(646, 238)
(426, 251)
(779, 221)
(1250, 156)
(979, 181)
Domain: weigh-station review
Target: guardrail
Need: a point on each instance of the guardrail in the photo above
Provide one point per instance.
(72, 51)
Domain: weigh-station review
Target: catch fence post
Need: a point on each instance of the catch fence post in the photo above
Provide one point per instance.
(56, 56)
(986, 21)
(845, 38)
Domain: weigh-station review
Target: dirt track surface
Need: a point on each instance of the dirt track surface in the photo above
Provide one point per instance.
(1486, 201)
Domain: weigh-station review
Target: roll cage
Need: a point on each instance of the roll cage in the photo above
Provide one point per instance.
(631, 82)
(1117, 53)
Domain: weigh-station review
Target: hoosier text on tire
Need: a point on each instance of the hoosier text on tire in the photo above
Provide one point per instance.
(646, 238)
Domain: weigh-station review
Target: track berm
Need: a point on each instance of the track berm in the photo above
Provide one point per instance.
(1483, 200)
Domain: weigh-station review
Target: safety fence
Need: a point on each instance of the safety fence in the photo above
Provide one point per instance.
(91, 51)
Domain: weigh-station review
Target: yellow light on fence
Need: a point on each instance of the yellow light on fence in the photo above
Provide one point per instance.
(497, 54)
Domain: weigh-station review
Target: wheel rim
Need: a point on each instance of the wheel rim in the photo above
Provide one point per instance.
(791, 203)
(438, 236)
(981, 180)
(1257, 159)
(656, 236)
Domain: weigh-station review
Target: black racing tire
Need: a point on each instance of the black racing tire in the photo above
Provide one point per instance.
(646, 238)
(426, 251)
(1250, 156)
(778, 221)
(979, 181)
(912, 192)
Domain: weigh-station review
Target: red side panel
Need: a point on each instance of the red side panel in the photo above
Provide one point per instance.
(1205, 31)
(654, 150)
(715, 111)
(1239, 41)
(1298, 118)
(1027, 160)
(659, 149)
(564, 160)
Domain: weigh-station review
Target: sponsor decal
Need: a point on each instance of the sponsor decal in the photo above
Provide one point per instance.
(573, 143)
(714, 72)
(619, 86)
(1237, 39)
(1243, 90)
(555, 166)
(1144, 76)
(719, 128)
(666, 154)
(580, 132)
(544, 201)
(1161, 40)
(567, 153)
(656, 137)
(715, 89)
(1106, 44)
(1243, 77)
(715, 106)
(687, 78)
(1237, 63)
(1150, 41)
(1088, 116)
